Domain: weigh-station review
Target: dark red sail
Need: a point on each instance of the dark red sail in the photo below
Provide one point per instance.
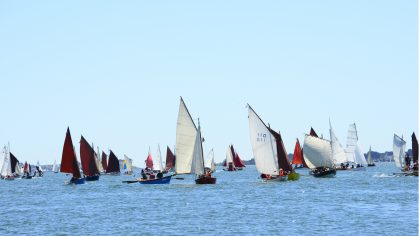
(68, 159)
(14, 161)
(237, 161)
(113, 164)
(282, 159)
(313, 133)
(415, 148)
(104, 161)
(87, 157)
(297, 154)
(170, 159)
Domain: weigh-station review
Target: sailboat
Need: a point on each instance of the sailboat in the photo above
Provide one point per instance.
(87, 157)
(170, 160)
(149, 176)
(353, 150)
(369, 158)
(55, 167)
(415, 149)
(237, 161)
(113, 167)
(229, 164)
(269, 152)
(210, 165)
(189, 148)
(69, 161)
(127, 165)
(39, 170)
(317, 153)
(6, 170)
(339, 155)
(149, 161)
(27, 171)
(297, 159)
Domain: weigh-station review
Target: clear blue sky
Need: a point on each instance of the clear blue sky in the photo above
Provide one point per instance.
(114, 70)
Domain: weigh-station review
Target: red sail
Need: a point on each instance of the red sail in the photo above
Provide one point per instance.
(415, 147)
(297, 154)
(104, 161)
(170, 159)
(313, 133)
(237, 160)
(14, 161)
(26, 167)
(68, 159)
(87, 157)
(149, 161)
(282, 158)
(113, 164)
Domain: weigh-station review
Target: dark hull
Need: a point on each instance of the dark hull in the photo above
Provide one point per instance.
(205, 180)
(26, 177)
(325, 174)
(92, 178)
(164, 180)
(372, 164)
(77, 181)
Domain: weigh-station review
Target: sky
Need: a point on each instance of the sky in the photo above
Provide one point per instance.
(114, 71)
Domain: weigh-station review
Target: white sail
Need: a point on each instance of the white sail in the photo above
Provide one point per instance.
(317, 152)
(197, 166)
(399, 151)
(263, 145)
(39, 166)
(157, 163)
(54, 168)
(338, 154)
(186, 133)
(6, 169)
(353, 150)
(2, 158)
(210, 161)
(369, 158)
(229, 157)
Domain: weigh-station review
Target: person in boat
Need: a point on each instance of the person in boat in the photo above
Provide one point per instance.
(152, 175)
(407, 162)
(263, 176)
(281, 172)
(347, 165)
(143, 174)
(159, 175)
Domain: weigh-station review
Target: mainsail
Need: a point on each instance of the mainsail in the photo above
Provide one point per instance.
(197, 166)
(113, 164)
(104, 160)
(353, 150)
(157, 164)
(14, 164)
(6, 170)
(186, 135)
(87, 157)
(68, 159)
(317, 152)
(237, 161)
(297, 154)
(369, 157)
(210, 161)
(170, 159)
(230, 153)
(399, 151)
(415, 148)
(338, 154)
(149, 160)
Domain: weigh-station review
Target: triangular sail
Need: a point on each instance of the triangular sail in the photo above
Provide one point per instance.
(338, 154)
(263, 145)
(170, 159)
(128, 164)
(54, 168)
(68, 159)
(6, 169)
(415, 147)
(317, 152)
(14, 164)
(229, 155)
(186, 134)
(113, 164)
(369, 157)
(313, 133)
(197, 166)
(210, 161)
(237, 162)
(104, 161)
(149, 160)
(297, 154)
(282, 157)
(157, 164)
(399, 151)
(87, 157)
(353, 149)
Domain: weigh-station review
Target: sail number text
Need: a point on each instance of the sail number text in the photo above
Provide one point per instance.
(261, 137)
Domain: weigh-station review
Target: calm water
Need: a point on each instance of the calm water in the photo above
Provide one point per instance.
(361, 203)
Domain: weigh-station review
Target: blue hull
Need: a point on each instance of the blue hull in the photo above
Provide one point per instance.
(164, 180)
(78, 181)
(92, 178)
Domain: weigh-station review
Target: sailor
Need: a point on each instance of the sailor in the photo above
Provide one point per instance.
(159, 175)
(407, 162)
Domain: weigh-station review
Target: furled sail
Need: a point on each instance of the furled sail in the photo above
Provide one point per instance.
(263, 145)
(68, 160)
(399, 151)
(186, 135)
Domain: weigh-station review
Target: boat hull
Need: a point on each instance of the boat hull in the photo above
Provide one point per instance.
(92, 178)
(77, 181)
(205, 180)
(26, 177)
(370, 165)
(164, 180)
(325, 174)
(275, 178)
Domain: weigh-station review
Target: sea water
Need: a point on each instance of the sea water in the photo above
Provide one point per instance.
(371, 202)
